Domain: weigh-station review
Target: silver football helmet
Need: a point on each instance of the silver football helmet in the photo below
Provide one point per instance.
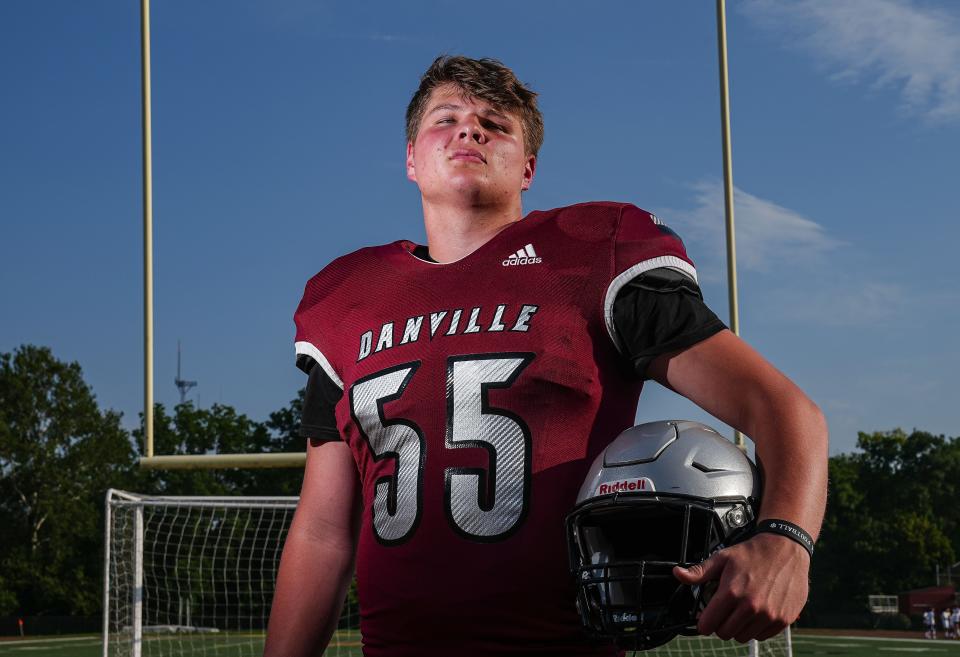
(661, 494)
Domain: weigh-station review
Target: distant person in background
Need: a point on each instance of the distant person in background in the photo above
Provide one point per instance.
(955, 620)
(929, 622)
(947, 625)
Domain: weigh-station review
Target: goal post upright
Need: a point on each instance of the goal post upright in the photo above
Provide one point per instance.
(732, 298)
(147, 229)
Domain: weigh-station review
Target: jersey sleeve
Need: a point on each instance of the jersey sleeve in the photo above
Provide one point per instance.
(311, 318)
(324, 384)
(660, 311)
(641, 243)
(318, 418)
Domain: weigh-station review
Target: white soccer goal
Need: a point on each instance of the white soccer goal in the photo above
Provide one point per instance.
(190, 576)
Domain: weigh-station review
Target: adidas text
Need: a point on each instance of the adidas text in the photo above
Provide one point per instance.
(514, 260)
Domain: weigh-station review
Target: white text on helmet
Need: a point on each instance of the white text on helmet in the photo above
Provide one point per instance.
(625, 486)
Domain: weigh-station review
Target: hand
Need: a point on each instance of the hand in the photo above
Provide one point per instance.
(762, 587)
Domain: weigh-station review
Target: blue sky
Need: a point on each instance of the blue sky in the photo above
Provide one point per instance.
(278, 145)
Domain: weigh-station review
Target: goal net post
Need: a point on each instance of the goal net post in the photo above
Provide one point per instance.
(189, 576)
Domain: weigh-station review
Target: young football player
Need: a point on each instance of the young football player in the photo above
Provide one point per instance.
(458, 391)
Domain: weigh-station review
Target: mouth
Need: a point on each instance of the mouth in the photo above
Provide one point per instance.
(468, 155)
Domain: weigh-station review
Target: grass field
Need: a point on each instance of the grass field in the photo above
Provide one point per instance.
(345, 644)
(805, 645)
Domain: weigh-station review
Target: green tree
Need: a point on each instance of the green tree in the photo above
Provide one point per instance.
(284, 426)
(891, 517)
(220, 429)
(58, 454)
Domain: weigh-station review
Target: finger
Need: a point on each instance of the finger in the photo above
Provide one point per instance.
(772, 631)
(739, 619)
(720, 607)
(758, 627)
(705, 571)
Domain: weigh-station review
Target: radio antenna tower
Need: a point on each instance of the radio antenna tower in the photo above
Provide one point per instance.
(182, 386)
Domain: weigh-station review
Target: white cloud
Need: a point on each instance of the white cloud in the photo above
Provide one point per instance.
(843, 304)
(767, 235)
(802, 281)
(843, 297)
(884, 43)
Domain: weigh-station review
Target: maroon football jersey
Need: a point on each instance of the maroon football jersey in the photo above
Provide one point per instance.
(476, 395)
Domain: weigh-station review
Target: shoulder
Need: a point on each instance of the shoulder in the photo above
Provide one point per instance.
(596, 219)
(328, 297)
(345, 272)
(605, 211)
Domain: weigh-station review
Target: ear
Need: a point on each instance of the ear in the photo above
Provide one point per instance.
(411, 170)
(528, 170)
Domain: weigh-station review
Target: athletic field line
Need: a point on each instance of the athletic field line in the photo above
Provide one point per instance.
(845, 637)
(20, 642)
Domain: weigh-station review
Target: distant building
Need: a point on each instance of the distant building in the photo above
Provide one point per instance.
(914, 602)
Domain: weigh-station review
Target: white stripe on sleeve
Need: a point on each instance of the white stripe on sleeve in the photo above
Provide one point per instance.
(670, 262)
(308, 349)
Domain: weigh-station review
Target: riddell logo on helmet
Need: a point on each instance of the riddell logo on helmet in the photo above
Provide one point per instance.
(625, 486)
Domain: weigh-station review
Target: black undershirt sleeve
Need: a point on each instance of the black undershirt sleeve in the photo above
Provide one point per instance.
(660, 311)
(318, 419)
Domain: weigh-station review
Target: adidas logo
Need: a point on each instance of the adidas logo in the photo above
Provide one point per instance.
(525, 256)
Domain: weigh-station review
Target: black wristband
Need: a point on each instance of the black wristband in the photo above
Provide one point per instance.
(788, 529)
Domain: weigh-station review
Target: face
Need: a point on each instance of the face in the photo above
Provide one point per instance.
(467, 149)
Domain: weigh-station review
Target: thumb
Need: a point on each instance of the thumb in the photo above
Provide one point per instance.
(701, 572)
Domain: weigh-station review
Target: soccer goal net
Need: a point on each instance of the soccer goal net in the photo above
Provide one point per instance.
(192, 576)
(708, 646)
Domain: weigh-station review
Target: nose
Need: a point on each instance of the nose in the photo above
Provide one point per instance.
(472, 130)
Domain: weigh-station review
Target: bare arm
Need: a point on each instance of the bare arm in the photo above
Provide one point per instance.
(318, 558)
(767, 586)
(728, 379)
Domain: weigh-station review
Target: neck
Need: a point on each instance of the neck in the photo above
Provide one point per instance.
(456, 231)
